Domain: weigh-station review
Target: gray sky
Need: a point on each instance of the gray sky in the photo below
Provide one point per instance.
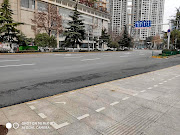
(170, 10)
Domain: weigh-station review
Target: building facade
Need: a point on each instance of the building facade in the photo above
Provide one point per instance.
(95, 18)
(118, 12)
(127, 12)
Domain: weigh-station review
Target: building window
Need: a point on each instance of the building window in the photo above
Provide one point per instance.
(42, 6)
(28, 4)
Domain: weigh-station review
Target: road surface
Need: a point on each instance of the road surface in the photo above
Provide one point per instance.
(33, 76)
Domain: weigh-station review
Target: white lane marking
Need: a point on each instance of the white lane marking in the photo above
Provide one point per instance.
(83, 116)
(32, 107)
(165, 81)
(169, 79)
(114, 103)
(143, 91)
(58, 96)
(125, 98)
(155, 85)
(60, 103)
(68, 54)
(123, 56)
(56, 126)
(141, 54)
(149, 88)
(74, 57)
(127, 53)
(90, 59)
(160, 83)
(42, 115)
(8, 60)
(17, 65)
(58, 54)
(106, 55)
(135, 94)
(100, 109)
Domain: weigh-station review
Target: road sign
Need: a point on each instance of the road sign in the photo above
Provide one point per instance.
(142, 24)
(169, 30)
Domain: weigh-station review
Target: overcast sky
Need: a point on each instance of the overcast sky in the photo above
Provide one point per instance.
(170, 10)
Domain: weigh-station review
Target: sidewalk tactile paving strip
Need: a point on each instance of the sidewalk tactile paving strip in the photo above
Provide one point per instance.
(134, 123)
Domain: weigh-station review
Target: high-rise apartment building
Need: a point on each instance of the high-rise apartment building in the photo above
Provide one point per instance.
(127, 12)
(118, 12)
(148, 10)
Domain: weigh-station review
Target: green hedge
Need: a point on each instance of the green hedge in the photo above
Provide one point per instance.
(170, 52)
(23, 48)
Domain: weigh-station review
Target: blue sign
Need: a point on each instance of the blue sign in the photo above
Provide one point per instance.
(169, 30)
(143, 24)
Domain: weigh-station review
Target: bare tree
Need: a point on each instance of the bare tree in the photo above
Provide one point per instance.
(48, 20)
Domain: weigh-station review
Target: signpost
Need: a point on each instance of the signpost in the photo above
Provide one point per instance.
(169, 34)
(142, 24)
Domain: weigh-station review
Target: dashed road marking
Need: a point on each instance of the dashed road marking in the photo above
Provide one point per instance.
(100, 109)
(160, 83)
(90, 59)
(32, 107)
(143, 91)
(56, 126)
(114, 103)
(125, 98)
(169, 79)
(17, 65)
(83, 116)
(60, 103)
(155, 85)
(42, 115)
(73, 57)
(165, 81)
(135, 94)
(8, 60)
(149, 88)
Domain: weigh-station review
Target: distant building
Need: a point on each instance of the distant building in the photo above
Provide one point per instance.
(95, 16)
(148, 10)
(127, 12)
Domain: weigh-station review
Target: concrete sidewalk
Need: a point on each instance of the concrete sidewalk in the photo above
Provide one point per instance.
(147, 104)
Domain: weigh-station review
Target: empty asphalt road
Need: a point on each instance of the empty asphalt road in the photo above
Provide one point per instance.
(32, 76)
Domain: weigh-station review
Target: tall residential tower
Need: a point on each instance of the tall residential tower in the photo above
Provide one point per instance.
(127, 12)
(148, 10)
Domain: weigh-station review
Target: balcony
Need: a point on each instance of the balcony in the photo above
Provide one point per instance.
(92, 4)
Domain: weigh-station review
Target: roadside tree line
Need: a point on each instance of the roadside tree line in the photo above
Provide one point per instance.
(47, 24)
